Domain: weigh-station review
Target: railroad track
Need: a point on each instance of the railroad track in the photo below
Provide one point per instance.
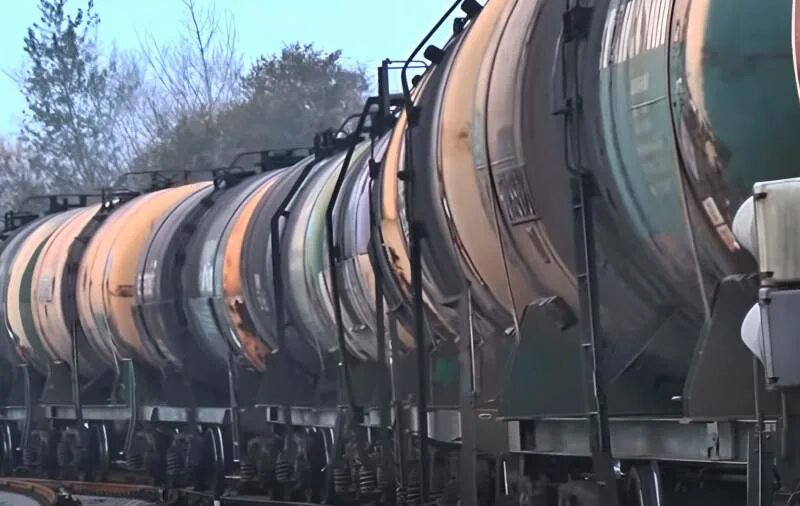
(29, 493)
(39, 492)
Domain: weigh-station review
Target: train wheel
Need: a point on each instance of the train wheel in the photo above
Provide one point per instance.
(513, 487)
(7, 449)
(327, 491)
(644, 485)
(216, 453)
(101, 458)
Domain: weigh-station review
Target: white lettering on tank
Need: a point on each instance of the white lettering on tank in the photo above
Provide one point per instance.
(608, 36)
(639, 26)
(633, 28)
(622, 41)
(652, 22)
(664, 21)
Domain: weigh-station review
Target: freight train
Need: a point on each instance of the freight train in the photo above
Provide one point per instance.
(519, 281)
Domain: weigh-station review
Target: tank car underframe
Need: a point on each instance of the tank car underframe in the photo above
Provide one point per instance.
(719, 435)
(147, 435)
(155, 426)
(537, 440)
(43, 432)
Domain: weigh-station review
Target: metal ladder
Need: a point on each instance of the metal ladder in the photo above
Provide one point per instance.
(576, 23)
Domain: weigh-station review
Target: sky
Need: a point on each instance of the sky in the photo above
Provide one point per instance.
(367, 31)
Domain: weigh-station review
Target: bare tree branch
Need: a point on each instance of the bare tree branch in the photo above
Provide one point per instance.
(193, 78)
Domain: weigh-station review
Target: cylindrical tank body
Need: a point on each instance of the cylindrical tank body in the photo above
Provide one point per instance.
(160, 310)
(647, 320)
(309, 282)
(304, 255)
(351, 233)
(107, 278)
(9, 357)
(18, 293)
(734, 109)
(258, 279)
(10, 351)
(455, 190)
(685, 140)
(660, 141)
(674, 124)
(351, 222)
(212, 276)
(53, 295)
(464, 248)
(394, 261)
(233, 305)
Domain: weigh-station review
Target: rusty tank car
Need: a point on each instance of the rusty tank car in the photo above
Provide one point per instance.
(520, 279)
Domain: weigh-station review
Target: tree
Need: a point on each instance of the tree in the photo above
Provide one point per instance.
(76, 102)
(17, 181)
(192, 82)
(283, 101)
(291, 96)
(200, 72)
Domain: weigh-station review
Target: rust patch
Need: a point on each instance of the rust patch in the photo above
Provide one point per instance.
(123, 291)
(253, 348)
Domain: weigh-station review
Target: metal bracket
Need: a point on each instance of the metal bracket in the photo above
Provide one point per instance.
(720, 440)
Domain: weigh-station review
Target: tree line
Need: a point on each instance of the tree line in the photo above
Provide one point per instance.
(190, 103)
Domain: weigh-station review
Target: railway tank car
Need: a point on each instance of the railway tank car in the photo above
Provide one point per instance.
(518, 279)
(108, 277)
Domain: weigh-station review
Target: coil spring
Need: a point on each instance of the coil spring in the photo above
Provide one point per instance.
(413, 492)
(248, 470)
(30, 457)
(342, 480)
(283, 471)
(412, 495)
(134, 462)
(174, 464)
(367, 480)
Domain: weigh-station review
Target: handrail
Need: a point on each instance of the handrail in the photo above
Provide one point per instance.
(334, 255)
(416, 235)
(404, 72)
